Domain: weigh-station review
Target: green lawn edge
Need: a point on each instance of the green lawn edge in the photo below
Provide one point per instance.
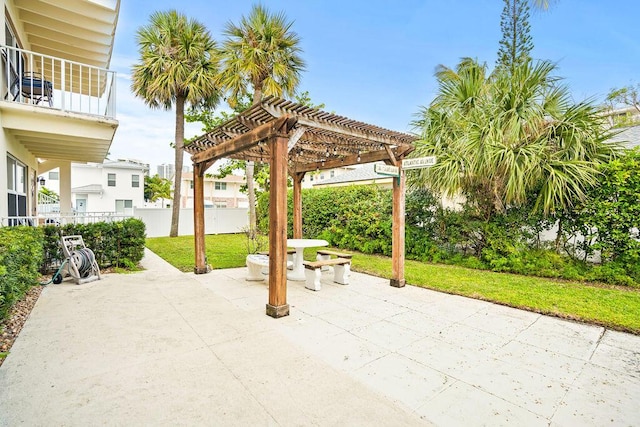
(612, 307)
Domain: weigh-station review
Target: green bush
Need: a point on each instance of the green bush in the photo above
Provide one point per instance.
(115, 244)
(611, 214)
(20, 259)
(355, 217)
(359, 218)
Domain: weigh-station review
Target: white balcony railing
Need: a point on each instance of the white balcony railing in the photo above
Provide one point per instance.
(63, 218)
(48, 204)
(50, 82)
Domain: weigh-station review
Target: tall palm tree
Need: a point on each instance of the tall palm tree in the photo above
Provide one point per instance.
(178, 64)
(501, 137)
(262, 53)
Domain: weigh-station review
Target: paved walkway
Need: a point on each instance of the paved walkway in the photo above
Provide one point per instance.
(161, 347)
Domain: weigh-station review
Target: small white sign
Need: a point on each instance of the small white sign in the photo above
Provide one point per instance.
(419, 163)
(386, 170)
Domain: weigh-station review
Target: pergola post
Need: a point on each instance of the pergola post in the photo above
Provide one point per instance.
(277, 306)
(297, 204)
(397, 237)
(198, 219)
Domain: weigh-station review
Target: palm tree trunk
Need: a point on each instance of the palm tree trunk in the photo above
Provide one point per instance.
(179, 146)
(252, 195)
(249, 170)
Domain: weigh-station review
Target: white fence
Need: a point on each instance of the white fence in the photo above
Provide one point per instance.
(216, 220)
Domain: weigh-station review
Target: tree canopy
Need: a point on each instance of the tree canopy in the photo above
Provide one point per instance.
(502, 137)
(156, 188)
(261, 53)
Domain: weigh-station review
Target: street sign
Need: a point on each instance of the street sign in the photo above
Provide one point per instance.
(386, 170)
(418, 163)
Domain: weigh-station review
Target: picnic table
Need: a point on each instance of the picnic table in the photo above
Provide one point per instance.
(297, 274)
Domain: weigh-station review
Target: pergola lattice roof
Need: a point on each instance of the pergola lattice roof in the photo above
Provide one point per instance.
(318, 140)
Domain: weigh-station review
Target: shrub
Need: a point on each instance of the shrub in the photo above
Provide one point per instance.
(20, 259)
(359, 218)
(115, 244)
(611, 218)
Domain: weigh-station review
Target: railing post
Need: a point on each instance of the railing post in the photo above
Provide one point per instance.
(63, 84)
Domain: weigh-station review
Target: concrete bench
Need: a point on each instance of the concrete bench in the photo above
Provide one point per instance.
(255, 264)
(313, 272)
(325, 254)
(291, 254)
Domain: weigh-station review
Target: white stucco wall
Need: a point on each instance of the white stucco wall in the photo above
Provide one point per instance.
(97, 174)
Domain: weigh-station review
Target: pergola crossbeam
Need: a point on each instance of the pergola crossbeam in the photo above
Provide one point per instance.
(241, 142)
(351, 160)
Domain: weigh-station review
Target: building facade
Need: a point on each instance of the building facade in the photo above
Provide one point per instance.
(312, 179)
(219, 192)
(109, 187)
(58, 102)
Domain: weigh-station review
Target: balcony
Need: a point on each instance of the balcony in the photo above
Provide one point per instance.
(56, 108)
(50, 82)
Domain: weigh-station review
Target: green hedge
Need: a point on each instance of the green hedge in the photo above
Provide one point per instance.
(359, 218)
(355, 217)
(20, 258)
(115, 244)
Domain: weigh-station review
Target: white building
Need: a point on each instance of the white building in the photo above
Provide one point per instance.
(219, 192)
(312, 179)
(58, 95)
(116, 186)
(364, 175)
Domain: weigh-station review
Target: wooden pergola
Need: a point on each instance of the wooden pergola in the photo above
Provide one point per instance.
(295, 139)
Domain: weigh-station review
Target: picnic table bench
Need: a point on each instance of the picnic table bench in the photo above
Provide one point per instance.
(325, 254)
(313, 271)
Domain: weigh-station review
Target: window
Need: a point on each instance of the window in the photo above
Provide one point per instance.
(321, 176)
(111, 179)
(221, 185)
(191, 184)
(16, 187)
(135, 181)
(54, 176)
(221, 204)
(311, 178)
(123, 205)
(332, 174)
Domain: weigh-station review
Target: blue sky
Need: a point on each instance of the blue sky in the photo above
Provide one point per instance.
(374, 60)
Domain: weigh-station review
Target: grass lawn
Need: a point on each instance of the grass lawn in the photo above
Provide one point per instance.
(613, 307)
(223, 250)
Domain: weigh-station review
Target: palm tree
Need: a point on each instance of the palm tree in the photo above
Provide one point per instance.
(501, 138)
(261, 53)
(156, 188)
(178, 65)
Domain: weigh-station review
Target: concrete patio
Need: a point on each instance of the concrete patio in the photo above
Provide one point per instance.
(161, 347)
